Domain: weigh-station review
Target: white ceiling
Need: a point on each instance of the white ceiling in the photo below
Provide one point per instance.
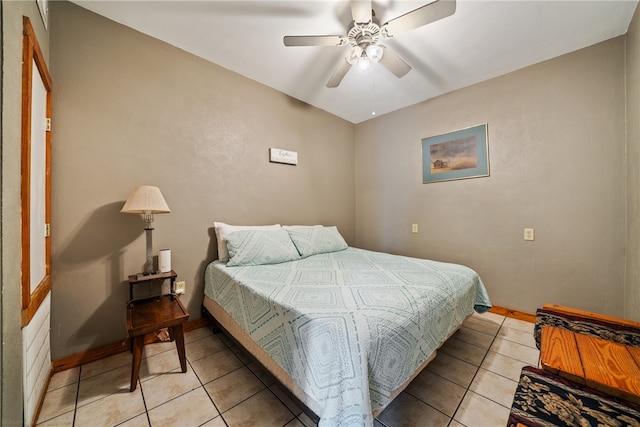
(483, 39)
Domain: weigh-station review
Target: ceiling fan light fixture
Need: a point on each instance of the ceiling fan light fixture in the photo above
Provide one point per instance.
(374, 52)
(354, 55)
(364, 63)
(364, 33)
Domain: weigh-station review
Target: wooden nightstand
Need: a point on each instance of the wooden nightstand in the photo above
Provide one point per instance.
(138, 279)
(148, 315)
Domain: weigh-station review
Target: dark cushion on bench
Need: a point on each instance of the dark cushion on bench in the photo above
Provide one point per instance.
(598, 328)
(545, 399)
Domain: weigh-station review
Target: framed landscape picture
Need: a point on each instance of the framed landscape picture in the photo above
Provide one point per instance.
(456, 155)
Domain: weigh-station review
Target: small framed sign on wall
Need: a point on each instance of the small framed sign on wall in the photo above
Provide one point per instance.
(456, 155)
(277, 155)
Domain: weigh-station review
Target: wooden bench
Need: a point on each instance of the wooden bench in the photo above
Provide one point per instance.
(592, 316)
(602, 364)
(543, 398)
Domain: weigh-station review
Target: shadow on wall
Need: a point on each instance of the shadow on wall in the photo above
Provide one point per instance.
(101, 241)
(105, 233)
(212, 255)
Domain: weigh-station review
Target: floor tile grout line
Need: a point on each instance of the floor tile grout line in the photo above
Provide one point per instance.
(144, 401)
(244, 365)
(431, 406)
(78, 384)
(467, 388)
(517, 342)
(515, 358)
(203, 385)
(293, 414)
(498, 373)
(496, 336)
(283, 402)
(104, 372)
(220, 413)
(490, 345)
(267, 386)
(141, 390)
(75, 406)
(474, 375)
(208, 395)
(480, 367)
(147, 410)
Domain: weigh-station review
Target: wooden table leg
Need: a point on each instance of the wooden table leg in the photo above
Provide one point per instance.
(177, 334)
(150, 315)
(138, 344)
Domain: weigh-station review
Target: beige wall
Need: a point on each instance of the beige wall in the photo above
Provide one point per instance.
(557, 163)
(132, 110)
(10, 249)
(632, 282)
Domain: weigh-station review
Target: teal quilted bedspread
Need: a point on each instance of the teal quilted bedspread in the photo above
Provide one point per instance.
(349, 327)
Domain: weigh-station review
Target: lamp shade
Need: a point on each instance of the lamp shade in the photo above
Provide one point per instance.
(145, 199)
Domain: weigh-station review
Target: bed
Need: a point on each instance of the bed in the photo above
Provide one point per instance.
(344, 329)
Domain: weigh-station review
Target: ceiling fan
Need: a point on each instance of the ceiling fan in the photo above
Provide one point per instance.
(365, 32)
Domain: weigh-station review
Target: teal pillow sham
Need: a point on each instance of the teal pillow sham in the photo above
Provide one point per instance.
(316, 240)
(257, 247)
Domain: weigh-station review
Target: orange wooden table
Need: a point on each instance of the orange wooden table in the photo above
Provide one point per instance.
(600, 364)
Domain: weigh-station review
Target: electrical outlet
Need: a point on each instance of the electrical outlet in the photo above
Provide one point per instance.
(414, 228)
(529, 234)
(181, 287)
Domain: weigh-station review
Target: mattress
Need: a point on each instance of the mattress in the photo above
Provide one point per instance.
(347, 329)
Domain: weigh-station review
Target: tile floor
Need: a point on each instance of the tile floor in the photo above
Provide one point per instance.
(470, 383)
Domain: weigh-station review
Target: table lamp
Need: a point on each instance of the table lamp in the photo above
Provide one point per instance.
(146, 200)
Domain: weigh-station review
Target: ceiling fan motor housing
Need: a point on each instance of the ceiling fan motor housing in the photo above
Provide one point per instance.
(366, 31)
(363, 35)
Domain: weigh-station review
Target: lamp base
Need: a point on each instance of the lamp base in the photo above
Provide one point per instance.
(148, 266)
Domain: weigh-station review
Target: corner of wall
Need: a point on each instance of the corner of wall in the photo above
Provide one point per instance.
(632, 136)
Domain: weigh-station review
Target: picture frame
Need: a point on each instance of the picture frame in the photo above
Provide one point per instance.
(277, 155)
(460, 154)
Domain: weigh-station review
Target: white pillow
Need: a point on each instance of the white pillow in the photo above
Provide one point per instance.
(222, 230)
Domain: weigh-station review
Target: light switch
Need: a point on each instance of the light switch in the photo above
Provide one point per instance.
(414, 228)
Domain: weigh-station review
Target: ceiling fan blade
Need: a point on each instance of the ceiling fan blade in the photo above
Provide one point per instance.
(339, 74)
(313, 40)
(394, 63)
(422, 16)
(361, 10)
